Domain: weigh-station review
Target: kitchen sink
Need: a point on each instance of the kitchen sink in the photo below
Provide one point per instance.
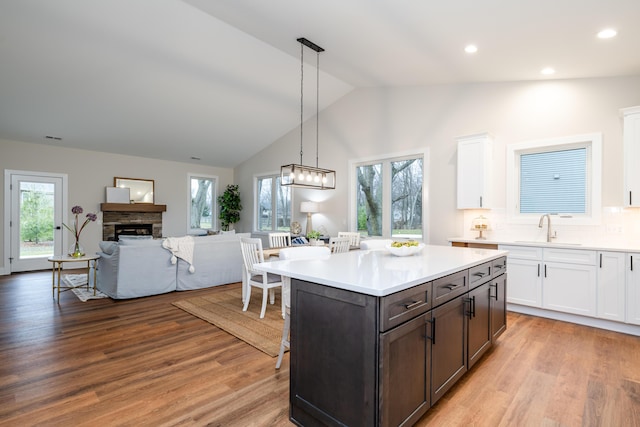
(548, 243)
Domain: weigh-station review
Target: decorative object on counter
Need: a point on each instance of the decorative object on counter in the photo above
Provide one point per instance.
(313, 237)
(230, 206)
(76, 250)
(309, 208)
(301, 175)
(480, 224)
(140, 190)
(406, 248)
(296, 228)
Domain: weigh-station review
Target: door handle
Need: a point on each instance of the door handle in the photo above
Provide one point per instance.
(58, 228)
(433, 330)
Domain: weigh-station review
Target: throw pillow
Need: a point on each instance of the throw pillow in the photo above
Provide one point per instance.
(108, 247)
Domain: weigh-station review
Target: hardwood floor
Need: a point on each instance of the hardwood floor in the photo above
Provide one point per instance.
(145, 362)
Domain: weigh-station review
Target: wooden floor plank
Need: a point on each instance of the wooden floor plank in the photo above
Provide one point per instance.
(146, 362)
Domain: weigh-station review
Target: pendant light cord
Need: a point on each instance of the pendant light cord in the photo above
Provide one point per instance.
(317, 102)
(301, 95)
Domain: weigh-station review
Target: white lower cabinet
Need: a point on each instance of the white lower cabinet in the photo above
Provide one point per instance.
(611, 286)
(554, 279)
(570, 288)
(633, 288)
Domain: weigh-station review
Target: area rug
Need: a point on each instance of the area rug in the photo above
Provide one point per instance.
(78, 282)
(224, 310)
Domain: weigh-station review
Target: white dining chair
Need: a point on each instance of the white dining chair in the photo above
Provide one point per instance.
(252, 255)
(339, 244)
(374, 244)
(354, 237)
(279, 240)
(299, 252)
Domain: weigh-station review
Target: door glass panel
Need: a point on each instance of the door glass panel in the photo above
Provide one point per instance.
(369, 199)
(36, 201)
(283, 206)
(406, 198)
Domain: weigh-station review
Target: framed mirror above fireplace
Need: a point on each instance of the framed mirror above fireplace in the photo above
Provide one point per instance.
(140, 190)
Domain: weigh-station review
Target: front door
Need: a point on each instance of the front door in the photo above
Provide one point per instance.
(36, 214)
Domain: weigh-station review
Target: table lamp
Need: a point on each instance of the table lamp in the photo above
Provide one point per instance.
(309, 208)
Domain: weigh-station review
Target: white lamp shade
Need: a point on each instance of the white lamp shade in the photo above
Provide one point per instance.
(309, 207)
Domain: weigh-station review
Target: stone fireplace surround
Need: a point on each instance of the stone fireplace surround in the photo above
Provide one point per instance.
(137, 214)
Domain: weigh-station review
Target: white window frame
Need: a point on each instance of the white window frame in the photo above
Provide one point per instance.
(386, 189)
(593, 143)
(256, 206)
(214, 211)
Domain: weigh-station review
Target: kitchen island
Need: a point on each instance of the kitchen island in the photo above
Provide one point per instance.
(378, 339)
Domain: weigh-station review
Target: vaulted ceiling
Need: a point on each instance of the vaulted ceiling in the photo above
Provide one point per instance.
(220, 80)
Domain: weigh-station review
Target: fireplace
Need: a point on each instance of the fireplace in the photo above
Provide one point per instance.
(133, 230)
(131, 219)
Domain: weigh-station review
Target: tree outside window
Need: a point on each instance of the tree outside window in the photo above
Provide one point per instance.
(273, 203)
(202, 206)
(389, 197)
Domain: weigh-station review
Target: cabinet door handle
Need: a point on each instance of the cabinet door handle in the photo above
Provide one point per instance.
(545, 270)
(630, 203)
(433, 330)
(481, 200)
(473, 304)
(412, 304)
(494, 285)
(538, 270)
(631, 262)
(600, 260)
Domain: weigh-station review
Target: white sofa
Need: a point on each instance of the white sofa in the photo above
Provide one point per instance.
(133, 268)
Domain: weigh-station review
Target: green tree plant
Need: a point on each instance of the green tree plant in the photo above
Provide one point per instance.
(230, 206)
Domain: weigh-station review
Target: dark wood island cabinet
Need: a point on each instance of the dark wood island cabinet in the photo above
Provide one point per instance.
(359, 359)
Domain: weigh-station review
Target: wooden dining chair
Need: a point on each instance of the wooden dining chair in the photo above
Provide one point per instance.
(299, 252)
(252, 255)
(279, 240)
(339, 244)
(354, 237)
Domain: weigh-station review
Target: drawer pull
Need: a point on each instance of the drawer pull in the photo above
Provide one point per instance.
(413, 304)
(498, 266)
(452, 286)
(480, 274)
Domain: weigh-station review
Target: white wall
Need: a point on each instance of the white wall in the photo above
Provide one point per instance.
(90, 172)
(378, 121)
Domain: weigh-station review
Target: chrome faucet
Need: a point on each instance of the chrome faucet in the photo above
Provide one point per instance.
(549, 236)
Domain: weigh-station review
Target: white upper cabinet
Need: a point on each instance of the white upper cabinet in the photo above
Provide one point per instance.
(631, 134)
(475, 156)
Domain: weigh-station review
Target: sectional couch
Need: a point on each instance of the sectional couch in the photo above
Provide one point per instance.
(134, 268)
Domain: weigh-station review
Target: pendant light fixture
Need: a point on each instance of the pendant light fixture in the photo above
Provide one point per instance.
(299, 175)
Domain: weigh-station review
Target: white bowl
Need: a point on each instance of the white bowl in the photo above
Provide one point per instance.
(405, 250)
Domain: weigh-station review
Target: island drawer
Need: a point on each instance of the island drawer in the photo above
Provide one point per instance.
(480, 274)
(404, 305)
(499, 266)
(449, 287)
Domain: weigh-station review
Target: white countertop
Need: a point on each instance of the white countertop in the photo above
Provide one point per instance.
(611, 245)
(378, 272)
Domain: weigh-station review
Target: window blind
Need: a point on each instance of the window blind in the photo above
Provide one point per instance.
(554, 182)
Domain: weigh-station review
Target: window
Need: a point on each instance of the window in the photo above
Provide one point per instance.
(557, 176)
(388, 196)
(203, 192)
(273, 204)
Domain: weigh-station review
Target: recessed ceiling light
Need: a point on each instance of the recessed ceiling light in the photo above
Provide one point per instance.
(547, 71)
(607, 33)
(471, 48)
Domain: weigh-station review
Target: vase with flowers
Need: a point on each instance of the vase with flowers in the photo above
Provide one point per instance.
(76, 250)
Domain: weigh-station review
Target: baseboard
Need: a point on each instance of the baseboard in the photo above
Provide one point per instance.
(624, 328)
(4, 271)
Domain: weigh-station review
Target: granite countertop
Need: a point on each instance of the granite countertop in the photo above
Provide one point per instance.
(378, 272)
(595, 245)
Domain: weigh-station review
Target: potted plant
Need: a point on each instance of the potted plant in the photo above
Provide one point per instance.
(313, 237)
(230, 207)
